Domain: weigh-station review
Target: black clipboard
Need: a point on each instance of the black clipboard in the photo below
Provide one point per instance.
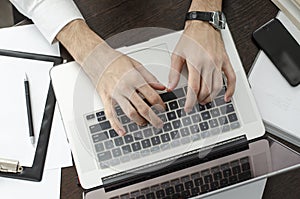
(35, 173)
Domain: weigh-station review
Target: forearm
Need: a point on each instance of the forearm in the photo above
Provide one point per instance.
(206, 5)
(79, 39)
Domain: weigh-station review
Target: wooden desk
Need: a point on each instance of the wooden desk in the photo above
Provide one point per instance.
(108, 17)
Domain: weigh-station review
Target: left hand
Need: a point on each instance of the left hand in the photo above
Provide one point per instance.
(202, 50)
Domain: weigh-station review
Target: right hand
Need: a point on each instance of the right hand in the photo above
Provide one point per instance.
(121, 82)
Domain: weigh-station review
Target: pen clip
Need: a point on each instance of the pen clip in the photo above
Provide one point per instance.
(10, 166)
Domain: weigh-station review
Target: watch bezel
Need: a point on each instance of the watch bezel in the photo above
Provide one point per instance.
(218, 20)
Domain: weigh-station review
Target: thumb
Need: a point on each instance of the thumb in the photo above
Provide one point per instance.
(175, 71)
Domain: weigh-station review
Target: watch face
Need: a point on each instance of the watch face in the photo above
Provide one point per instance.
(193, 15)
(218, 20)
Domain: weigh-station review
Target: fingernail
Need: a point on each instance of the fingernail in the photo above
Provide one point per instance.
(171, 85)
(227, 99)
(187, 110)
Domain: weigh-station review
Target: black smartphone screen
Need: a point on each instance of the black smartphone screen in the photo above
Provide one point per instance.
(281, 48)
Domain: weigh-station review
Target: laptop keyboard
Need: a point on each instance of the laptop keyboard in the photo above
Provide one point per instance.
(196, 183)
(179, 128)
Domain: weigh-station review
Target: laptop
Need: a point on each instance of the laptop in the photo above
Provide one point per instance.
(103, 159)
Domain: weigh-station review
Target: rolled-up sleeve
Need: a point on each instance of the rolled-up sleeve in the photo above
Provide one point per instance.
(50, 16)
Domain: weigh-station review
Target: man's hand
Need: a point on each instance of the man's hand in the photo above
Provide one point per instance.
(117, 78)
(202, 49)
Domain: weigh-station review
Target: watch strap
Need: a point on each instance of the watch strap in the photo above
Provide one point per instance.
(198, 15)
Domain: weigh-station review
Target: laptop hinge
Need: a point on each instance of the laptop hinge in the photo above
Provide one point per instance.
(175, 163)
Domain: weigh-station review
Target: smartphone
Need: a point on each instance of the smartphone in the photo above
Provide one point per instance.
(281, 48)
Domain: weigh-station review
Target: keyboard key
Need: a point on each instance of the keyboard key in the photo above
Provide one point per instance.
(200, 107)
(125, 119)
(186, 121)
(175, 143)
(136, 146)
(208, 178)
(132, 127)
(233, 179)
(220, 101)
(95, 128)
(128, 138)
(204, 188)
(227, 109)
(225, 128)
(224, 182)
(109, 144)
(217, 176)
(126, 149)
(236, 169)
(244, 176)
(112, 133)
(119, 141)
(134, 194)
(116, 152)
(175, 135)
(203, 126)
(198, 181)
(168, 96)
(180, 113)
(160, 193)
(100, 137)
(125, 158)
(196, 118)
(185, 194)
(100, 114)
(167, 127)
(189, 185)
(155, 149)
(165, 146)
(119, 111)
(194, 129)
(90, 117)
(181, 102)
(214, 185)
(99, 147)
(150, 196)
(176, 124)
(138, 135)
(148, 132)
(213, 123)
(157, 131)
(179, 188)
(165, 137)
(179, 92)
(145, 152)
(195, 175)
(135, 156)
(223, 120)
(155, 140)
(184, 132)
(196, 137)
(103, 156)
(235, 125)
(195, 191)
(165, 185)
(173, 105)
(209, 105)
(227, 173)
(205, 134)
(163, 117)
(215, 112)
(100, 119)
(246, 166)
(222, 92)
(175, 182)
(145, 190)
(215, 131)
(146, 143)
(141, 197)
(185, 140)
(232, 117)
(171, 115)
(170, 191)
(205, 115)
(105, 125)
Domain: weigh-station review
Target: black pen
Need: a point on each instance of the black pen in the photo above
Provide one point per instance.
(28, 105)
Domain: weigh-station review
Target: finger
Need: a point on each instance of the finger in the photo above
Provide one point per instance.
(152, 96)
(217, 84)
(131, 112)
(149, 77)
(175, 71)
(231, 79)
(193, 87)
(112, 117)
(206, 82)
(145, 111)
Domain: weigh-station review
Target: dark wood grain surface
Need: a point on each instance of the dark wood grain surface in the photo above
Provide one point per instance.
(107, 18)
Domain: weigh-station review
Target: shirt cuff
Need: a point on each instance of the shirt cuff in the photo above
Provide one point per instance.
(51, 17)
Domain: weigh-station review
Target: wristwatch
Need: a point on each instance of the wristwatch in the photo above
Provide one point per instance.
(217, 19)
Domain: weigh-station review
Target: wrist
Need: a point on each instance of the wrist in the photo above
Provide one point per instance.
(79, 39)
(206, 5)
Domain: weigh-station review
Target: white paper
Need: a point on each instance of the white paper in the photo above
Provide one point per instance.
(278, 102)
(48, 188)
(14, 134)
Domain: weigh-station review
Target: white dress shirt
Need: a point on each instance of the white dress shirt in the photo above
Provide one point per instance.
(50, 16)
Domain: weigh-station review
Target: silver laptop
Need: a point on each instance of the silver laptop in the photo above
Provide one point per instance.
(102, 157)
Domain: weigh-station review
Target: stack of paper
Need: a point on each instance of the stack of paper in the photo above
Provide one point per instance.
(14, 137)
(277, 101)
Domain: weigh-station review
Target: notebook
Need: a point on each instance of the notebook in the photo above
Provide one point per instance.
(98, 165)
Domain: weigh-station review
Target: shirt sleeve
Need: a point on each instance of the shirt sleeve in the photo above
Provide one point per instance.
(50, 16)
